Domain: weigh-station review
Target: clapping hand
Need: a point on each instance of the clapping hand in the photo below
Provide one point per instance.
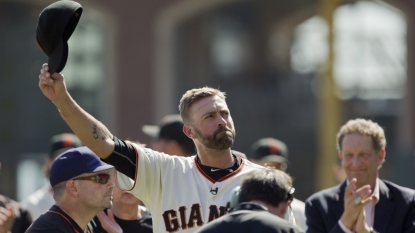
(354, 202)
(7, 218)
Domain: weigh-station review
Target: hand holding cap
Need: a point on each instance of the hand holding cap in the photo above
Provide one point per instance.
(55, 26)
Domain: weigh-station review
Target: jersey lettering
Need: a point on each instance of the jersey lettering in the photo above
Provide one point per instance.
(170, 221)
(183, 218)
(195, 215)
(214, 213)
(173, 220)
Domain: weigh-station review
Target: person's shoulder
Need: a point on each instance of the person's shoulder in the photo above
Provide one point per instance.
(186, 162)
(251, 166)
(392, 185)
(251, 221)
(265, 218)
(332, 192)
(170, 162)
(143, 150)
(188, 159)
(48, 222)
(396, 189)
(153, 153)
(279, 222)
(266, 215)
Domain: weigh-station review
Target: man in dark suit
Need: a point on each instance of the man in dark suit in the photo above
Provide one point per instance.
(363, 203)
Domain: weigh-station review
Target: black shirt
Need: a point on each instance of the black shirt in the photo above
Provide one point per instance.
(55, 220)
(142, 225)
(23, 217)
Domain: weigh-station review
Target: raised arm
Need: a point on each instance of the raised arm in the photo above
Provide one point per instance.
(90, 131)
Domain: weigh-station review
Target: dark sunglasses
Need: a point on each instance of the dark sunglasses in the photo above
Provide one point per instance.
(290, 195)
(99, 178)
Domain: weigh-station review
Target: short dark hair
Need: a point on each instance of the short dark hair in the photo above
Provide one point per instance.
(270, 186)
(193, 95)
(59, 190)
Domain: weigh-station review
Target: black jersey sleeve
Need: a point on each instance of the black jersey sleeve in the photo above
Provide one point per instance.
(123, 158)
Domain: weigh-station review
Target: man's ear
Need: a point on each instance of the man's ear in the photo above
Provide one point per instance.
(72, 188)
(188, 130)
(381, 156)
(340, 155)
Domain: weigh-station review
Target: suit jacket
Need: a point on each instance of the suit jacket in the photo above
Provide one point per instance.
(395, 211)
(249, 221)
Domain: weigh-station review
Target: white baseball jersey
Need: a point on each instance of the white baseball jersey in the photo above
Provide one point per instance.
(179, 195)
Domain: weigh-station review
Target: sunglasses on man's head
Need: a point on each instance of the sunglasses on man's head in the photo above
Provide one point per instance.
(99, 178)
(290, 195)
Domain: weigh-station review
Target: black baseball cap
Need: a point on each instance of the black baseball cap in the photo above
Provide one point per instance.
(54, 28)
(269, 150)
(170, 128)
(75, 162)
(61, 142)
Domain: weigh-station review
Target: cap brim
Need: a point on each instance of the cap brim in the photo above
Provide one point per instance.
(151, 130)
(59, 56)
(275, 158)
(103, 168)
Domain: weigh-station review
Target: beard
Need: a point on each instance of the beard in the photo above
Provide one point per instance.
(221, 139)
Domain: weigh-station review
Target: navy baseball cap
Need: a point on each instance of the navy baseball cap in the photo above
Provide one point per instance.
(269, 150)
(54, 28)
(75, 162)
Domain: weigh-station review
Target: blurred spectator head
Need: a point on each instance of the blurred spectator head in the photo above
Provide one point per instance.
(269, 152)
(57, 145)
(169, 138)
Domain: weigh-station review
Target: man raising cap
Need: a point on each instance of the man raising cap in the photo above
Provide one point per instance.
(206, 179)
(41, 200)
(168, 136)
(270, 152)
(82, 188)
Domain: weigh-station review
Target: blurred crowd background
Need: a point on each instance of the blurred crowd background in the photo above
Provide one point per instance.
(293, 70)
